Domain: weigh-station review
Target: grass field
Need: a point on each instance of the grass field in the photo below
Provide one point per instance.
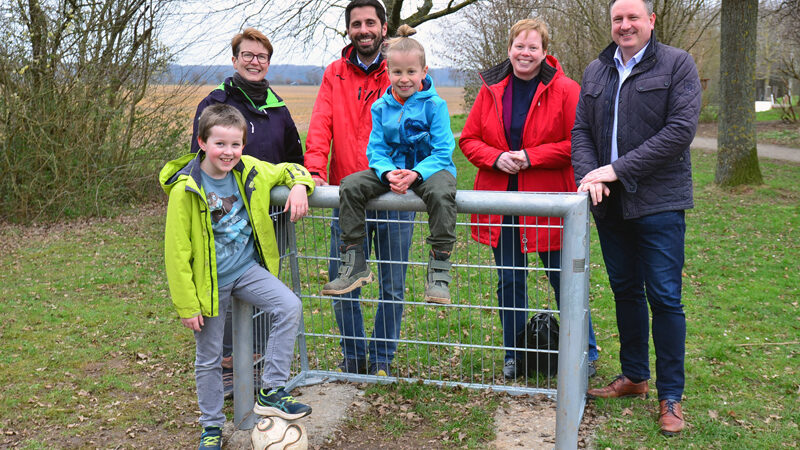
(93, 355)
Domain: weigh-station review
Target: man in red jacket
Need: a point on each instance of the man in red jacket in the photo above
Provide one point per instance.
(341, 116)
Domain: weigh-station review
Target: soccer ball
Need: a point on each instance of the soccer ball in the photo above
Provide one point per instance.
(274, 433)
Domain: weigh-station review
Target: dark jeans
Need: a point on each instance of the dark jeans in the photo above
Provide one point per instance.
(512, 287)
(392, 242)
(644, 258)
(391, 236)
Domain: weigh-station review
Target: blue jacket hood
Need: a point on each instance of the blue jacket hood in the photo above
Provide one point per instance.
(415, 135)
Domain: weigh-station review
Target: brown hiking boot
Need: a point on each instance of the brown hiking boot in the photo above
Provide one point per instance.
(353, 271)
(622, 386)
(437, 288)
(670, 417)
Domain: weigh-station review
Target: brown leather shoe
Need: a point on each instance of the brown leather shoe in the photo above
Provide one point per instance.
(670, 417)
(622, 386)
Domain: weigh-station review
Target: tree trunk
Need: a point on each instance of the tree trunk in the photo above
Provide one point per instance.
(737, 159)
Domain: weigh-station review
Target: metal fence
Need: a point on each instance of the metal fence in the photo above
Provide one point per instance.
(459, 344)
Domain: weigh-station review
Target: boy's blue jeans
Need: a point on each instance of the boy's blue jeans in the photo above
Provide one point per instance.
(261, 289)
(512, 290)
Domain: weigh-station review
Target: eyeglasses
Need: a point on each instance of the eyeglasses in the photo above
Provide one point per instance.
(263, 58)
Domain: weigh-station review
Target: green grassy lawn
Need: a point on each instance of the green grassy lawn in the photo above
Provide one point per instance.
(710, 113)
(743, 321)
(94, 356)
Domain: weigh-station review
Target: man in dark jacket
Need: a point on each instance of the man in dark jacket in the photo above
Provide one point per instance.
(636, 117)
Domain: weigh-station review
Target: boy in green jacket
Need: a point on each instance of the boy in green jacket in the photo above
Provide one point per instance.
(219, 243)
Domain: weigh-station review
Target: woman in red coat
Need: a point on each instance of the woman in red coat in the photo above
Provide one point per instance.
(518, 135)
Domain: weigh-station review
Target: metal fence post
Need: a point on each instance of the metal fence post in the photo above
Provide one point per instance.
(573, 357)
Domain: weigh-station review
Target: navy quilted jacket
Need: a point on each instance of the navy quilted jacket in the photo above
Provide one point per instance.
(659, 104)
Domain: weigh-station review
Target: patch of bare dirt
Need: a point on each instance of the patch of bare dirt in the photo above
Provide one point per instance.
(525, 422)
(529, 422)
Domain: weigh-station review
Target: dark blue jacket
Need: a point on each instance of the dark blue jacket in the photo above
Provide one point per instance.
(271, 132)
(658, 110)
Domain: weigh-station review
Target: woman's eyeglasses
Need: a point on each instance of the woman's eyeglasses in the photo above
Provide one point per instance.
(263, 58)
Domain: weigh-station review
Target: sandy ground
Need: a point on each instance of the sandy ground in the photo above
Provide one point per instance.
(522, 422)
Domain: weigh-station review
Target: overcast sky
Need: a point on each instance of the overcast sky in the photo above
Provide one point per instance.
(199, 40)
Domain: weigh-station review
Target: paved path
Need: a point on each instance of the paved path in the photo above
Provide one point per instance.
(764, 150)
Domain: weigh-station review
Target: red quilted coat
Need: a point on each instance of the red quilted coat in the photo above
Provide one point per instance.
(342, 114)
(546, 139)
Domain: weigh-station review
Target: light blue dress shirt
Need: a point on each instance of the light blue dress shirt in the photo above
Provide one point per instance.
(366, 66)
(624, 70)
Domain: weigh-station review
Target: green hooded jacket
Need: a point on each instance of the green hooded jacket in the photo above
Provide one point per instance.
(189, 240)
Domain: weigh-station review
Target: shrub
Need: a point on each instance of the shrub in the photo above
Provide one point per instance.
(75, 136)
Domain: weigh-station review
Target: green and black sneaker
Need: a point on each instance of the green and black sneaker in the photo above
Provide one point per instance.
(210, 439)
(277, 402)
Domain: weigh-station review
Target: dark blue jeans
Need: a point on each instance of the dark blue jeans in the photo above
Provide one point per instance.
(644, 259)
(512, 287)
(392, 241)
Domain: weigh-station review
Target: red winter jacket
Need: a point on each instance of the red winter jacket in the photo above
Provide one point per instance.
(546, 140)
(342, 114)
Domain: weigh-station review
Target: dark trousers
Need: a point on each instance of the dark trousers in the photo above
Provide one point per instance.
(644, 258)
(389, 233)
(438, 192)
(512, 287)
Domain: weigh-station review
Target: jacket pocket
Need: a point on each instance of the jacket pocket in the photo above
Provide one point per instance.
(655, 83)
(591, 90)
(651, 100)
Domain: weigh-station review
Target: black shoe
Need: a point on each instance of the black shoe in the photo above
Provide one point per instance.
(380, 369)
(211, 439)
(510, 370)
(353, 365)
(591, 370)
(278, 403)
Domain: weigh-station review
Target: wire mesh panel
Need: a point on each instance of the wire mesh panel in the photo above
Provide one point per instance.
(460, 343)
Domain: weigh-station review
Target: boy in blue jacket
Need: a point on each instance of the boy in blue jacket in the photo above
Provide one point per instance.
(411, 147)
(219, 243)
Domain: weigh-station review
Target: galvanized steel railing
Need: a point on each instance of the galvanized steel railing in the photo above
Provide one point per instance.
(472, 358)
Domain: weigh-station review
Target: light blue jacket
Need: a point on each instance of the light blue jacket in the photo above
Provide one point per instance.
(415, 135)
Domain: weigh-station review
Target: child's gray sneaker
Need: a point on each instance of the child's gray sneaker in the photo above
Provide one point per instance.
(353, 271)
(437, 288)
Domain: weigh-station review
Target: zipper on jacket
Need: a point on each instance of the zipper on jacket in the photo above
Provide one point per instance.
(210, 266)
(246, 198)
(359, 92)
